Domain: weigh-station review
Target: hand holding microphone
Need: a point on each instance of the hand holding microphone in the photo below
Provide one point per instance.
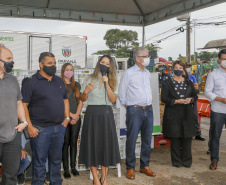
(105, 79)
(104, 70)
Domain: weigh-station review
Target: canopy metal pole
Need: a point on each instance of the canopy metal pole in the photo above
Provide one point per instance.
(194, 42)
(188, 42)
(143, 35)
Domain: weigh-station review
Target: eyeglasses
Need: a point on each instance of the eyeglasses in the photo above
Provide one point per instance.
(143, 56)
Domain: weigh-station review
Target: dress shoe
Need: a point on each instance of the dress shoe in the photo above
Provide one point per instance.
(200, 137)
(130, 174)
(67, 175)
(74, 172)
(148, 171)
(178, 166)
(213, 165)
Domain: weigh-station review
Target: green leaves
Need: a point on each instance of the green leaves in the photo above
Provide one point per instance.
(116, 38)
(121, 42)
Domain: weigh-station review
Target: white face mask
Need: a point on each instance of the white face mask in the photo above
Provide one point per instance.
(223, 63)
(146, 62)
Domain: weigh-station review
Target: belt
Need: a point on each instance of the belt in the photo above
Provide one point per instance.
(142, 107)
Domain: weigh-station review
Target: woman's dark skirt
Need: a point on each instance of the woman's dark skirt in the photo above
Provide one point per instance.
(99, 142)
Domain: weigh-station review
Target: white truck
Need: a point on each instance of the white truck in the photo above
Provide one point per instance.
(26, 48)
(93, 59)
(122, 63)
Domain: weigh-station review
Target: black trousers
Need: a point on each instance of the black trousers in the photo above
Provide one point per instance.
(70, 139)
(181, 152)
(10, 158)
(198, 130)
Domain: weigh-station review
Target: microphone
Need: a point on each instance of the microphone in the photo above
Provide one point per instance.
(104, 74)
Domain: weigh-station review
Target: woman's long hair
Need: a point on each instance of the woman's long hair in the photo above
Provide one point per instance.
(112, 79)
(181, 63)
(74, 87)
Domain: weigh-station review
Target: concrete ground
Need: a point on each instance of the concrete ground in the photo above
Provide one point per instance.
(166, 174)
(160, 163)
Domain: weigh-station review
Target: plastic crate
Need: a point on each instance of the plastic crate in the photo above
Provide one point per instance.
(161, 141)
(204, 106)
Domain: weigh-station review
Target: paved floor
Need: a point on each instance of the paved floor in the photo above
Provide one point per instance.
(160, 163)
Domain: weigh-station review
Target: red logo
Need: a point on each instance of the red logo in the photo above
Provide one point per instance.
(66, 52)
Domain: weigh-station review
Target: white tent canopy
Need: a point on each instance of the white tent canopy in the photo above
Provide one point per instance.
(118, 12)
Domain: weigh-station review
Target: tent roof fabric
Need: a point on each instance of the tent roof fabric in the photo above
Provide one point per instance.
(118, 12)
(215, 44)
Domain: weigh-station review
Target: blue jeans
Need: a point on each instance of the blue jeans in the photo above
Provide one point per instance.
(138, 119)
(217, 122)
(24, 141)
(49, 142)
(24, 163)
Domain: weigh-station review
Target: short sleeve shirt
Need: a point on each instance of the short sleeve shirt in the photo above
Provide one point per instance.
(9, 96)
(97, 95)
(45, 98)
(72, 98)
(192, 78)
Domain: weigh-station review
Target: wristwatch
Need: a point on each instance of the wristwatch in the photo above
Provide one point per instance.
(67, 118)
(25, 122)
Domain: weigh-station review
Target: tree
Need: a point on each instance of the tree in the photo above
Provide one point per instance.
(150, 47)
(196, 56)
(205, 55)
(116, 38)
(103, 52)
(170, 59)
(121, 42)
(180, 56)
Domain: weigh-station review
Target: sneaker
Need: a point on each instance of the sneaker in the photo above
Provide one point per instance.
(21, 179)
(47, 179)
(200, 137)
(74, 172)
(67, 174)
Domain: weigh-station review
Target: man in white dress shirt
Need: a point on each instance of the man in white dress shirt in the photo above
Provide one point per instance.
(135, 93)
(215, 90)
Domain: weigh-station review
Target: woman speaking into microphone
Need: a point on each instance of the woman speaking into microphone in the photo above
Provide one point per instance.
(99, 143)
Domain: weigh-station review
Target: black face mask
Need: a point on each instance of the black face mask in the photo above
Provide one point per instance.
(178, 72)
(104, 69)
(50, 70)
(8, 66)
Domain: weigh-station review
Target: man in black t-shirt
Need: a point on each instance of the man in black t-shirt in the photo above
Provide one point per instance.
(48, 117)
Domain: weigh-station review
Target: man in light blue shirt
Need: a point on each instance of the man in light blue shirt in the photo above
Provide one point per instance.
(135, 93)
(215, 90)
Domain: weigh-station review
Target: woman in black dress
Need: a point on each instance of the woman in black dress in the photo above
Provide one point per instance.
(178, 94)
(72, 130)
(99, 142)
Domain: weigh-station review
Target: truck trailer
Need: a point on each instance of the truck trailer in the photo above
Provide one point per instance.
(27, 46)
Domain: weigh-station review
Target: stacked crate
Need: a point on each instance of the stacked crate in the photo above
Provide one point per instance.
(161, 141)
(122, 146)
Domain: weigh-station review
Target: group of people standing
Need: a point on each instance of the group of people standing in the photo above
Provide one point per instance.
(50, 106)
